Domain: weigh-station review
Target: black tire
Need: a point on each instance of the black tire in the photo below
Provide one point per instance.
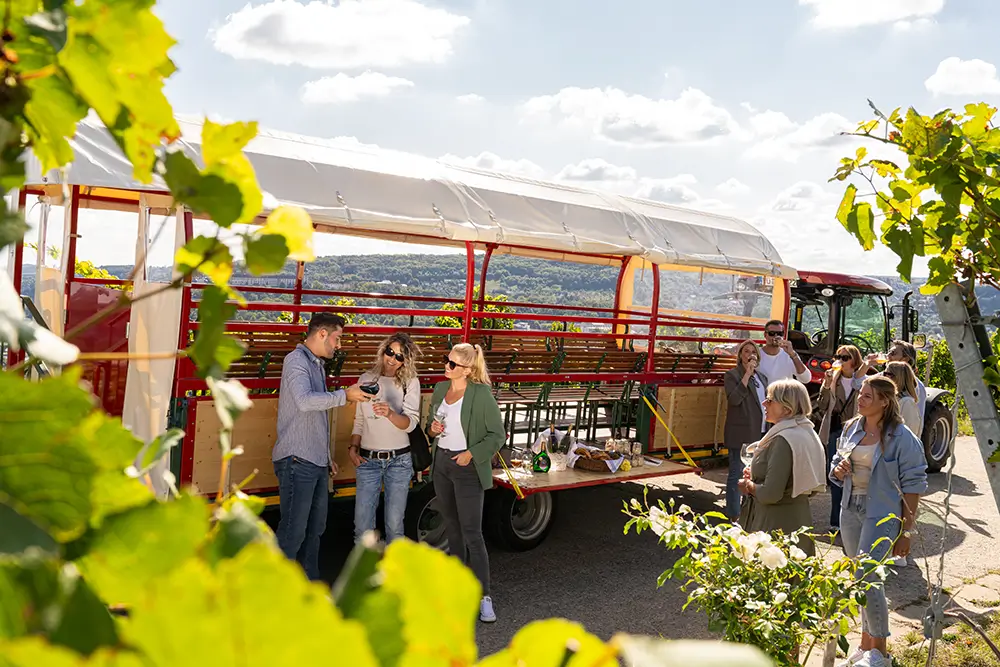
(938, 436)
(519, 525)
(422, 523)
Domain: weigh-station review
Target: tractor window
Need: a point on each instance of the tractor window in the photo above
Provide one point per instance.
(864, 324)
(810, 332)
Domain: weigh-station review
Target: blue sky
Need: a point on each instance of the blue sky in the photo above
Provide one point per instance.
(715, 104)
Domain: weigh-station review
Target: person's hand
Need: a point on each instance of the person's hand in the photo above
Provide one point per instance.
(355, 395)
(901, 549)
(843, 469)
(334, 469)
(437, 428)
(746, 473)
(381, 409)
(463, 459)
(786, 345)
(355, 454)
(746, 487)
(872, 359)
(828, 380)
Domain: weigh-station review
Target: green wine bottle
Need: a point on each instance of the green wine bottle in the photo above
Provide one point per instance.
(541, 462)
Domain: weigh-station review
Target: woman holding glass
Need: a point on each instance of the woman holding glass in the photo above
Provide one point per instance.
(906, 391)
(788, 466)
(467, 428)
(838, 397)
(745, 393)
(380, 442)
(881, 466)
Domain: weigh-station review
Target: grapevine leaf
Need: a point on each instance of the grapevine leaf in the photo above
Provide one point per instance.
(266, 253)
(222, 150)
(846, 204)
(547, 643)
(12, 226)
(439, 623)
(648, 652)
(50, 25)
(161, 446)
(213, 352)
(258, 588)
(52, 114)
(20, 533)
(861, 223)
(34, 652)
(115, 448)
(237, 525)
(85, 624)
(210, 194)
(901, 242)
(208, 255)
(294, 224)
(134, 548)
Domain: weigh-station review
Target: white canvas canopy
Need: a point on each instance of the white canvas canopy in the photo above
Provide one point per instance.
(363, 189)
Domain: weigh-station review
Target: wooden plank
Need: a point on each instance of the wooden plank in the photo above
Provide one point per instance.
(696, 415)
(572, 478)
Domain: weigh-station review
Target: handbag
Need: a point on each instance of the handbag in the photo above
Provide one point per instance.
(420, 448)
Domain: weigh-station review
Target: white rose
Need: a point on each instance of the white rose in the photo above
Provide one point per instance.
(772, 557)
(754, 605)
(733, 532)
(636, 505)
(797, 554)
(780, 598)
(684, 509)
(746, 547)
(659, 520)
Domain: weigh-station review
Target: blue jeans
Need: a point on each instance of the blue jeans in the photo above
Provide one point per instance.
(372, 475)
(860, 534)
(836, 492)
(305, 500)
(733, 495)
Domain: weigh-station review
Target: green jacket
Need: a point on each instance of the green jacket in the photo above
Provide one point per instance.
(482, 424)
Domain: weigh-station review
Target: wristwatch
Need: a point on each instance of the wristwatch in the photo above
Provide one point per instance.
(908, 533)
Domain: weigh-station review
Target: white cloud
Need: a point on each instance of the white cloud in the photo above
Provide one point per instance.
(352, 34)
(733, 187)
(493, 162)
(781, 139)
(833, 14)
(596, 170)
(635, 120)
(913, 26)
(955, 76)
(343, 88)
(802, 196)
(471, 98)
(676, 190)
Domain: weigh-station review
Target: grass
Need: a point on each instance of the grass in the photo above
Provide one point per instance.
(964, 423)
(959, 648)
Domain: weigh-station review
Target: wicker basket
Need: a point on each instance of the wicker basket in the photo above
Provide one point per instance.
(595, 465)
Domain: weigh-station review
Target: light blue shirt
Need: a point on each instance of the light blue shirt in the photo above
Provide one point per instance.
(303, 403)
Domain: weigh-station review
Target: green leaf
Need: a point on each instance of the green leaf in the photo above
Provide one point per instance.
(846, 204)
(213, 352)
(85, 624)
(49, 25)
(237, 525)
(20, 533)
(210, 194)
(294, 224)
(161, 446)
(266, 254)
(941, 273)
(440, 620)
(859, 221)
(52, 115)
(901, 242)
(114, 449)
(648, 652)
(547, 644)
(259, 588)
(133, 549)
(208, 255)
(34, 652)
(222, 149)
(991, 377)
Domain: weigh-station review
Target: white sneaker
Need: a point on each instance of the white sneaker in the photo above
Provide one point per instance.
(486, 613)
(874, 658)
(853, 660)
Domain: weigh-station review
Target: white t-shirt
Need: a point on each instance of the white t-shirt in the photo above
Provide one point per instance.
(380, 434)
(848, 384)
(453, 438)
(862, 458)
(761, 395)
(781, 367)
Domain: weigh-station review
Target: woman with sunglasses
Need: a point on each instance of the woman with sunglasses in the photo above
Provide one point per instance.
(882, 469)
(746, 389)
(380, 442)
(906, 387)
(837, 405)
(467, 429)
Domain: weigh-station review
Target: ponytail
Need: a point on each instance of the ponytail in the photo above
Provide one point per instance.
(474, 359)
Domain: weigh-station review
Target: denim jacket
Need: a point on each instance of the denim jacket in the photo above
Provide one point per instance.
(898, 466)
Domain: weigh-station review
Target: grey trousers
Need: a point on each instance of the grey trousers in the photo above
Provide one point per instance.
(460, 498)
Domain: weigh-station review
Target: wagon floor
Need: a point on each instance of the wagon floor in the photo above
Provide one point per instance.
(575, 479)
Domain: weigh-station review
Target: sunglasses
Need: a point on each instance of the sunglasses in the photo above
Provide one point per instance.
(774, 334)
(389, 353)
(452, 365)
(845, 357)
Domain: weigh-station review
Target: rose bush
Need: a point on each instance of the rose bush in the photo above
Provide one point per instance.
(757, 588)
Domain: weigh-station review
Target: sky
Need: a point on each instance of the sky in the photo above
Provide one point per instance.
(721, 105)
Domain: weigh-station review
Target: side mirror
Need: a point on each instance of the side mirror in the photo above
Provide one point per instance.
(920, 341)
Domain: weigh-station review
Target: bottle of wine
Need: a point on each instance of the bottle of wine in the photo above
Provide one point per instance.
(541, 462)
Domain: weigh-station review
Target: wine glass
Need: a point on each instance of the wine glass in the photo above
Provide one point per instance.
(377, 400)
(844, 446)
(440, 417)
(747, 452)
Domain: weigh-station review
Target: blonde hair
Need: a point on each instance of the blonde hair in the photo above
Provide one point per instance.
(739, 352)
(472, 357)
(903, 377)
(408, 370)
(884, 389)
(856, 359)
(791, 395)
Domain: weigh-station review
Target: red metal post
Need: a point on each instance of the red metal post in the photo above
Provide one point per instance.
(482, 276)
(74, 222)
(16, 276)
(185, 324)
(470, 281)
(654, 316)
(300, 272)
